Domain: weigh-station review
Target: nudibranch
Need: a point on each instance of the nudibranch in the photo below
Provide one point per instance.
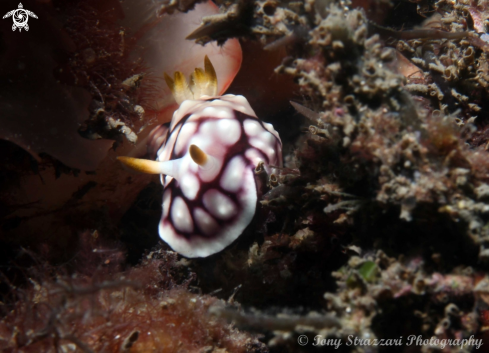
(207, 160)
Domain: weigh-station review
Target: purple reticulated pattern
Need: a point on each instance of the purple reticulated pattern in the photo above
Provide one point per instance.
(206, 209)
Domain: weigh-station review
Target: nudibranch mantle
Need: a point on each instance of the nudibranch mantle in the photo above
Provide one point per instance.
(207, 161)
(206, 209)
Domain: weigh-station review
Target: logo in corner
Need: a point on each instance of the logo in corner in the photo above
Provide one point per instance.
(20, 17)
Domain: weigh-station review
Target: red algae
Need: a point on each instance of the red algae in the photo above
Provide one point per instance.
(101, 308)
(377, 225)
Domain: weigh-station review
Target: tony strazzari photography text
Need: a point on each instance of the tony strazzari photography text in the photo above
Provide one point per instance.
(411, 340)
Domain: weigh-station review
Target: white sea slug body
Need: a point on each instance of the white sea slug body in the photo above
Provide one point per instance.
(207, 160)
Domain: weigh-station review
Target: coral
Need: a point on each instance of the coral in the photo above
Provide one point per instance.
(375, 227)
(384, 168)
(456, 69)
(372, 291)
(407, 153)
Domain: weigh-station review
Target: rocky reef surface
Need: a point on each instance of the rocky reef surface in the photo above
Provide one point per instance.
(377, 227)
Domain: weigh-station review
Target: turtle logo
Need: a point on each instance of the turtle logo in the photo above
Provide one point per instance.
(20, 17)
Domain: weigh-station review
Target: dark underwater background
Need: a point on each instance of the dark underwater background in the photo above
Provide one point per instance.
(377, 226)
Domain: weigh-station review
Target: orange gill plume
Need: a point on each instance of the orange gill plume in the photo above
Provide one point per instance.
(165, 49)
(42, 110)
(207, 162)
(42, 115)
